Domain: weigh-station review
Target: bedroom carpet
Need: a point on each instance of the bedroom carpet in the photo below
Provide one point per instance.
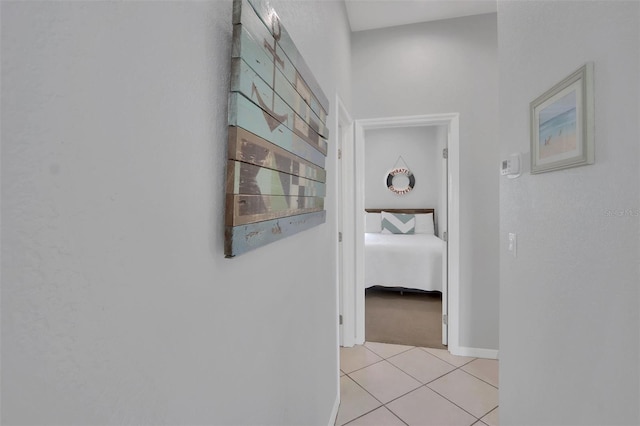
(410, 318)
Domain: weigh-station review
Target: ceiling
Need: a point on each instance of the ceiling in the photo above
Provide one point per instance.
(372, 14)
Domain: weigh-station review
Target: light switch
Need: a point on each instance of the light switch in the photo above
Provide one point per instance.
(513, 244)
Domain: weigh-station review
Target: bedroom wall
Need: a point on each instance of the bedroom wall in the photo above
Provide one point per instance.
(569, 312)
(117, 304)
(443, 67)
(418, 147)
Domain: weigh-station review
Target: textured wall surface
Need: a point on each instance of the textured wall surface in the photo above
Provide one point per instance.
(117, 304)
(569, 301)
(418, 147)
(444, 67)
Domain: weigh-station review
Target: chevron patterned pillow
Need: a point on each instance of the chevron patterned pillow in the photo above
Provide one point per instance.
(398, 223)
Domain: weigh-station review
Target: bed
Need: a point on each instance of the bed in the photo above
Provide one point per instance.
(411, 261)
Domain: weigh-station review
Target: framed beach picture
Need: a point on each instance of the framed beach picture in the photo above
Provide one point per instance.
(562, 124)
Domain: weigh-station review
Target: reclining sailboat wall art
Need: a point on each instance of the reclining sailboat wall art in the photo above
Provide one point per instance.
(276, 181)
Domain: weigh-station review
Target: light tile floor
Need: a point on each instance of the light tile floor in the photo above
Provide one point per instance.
(383, 384)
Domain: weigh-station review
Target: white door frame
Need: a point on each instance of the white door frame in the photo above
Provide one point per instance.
(343, 129)
(353, 311)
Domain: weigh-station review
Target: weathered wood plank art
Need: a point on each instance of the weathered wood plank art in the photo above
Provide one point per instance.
(249, 179)
(244, 113)
(272, 22)
(247, 82)
(241, 239)
(280, 77)
(277, 134)
(246, 147)
(256, 208)
(263, 25)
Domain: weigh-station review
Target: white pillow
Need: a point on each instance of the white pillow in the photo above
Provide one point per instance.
(398, 223)
(373, 223)
(424, 223)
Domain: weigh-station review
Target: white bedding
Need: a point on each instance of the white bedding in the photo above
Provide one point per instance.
(410, 261)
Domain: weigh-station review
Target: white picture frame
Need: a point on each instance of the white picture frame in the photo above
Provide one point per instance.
(562, 124)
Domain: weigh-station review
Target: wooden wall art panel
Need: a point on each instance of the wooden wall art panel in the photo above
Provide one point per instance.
(277, 145)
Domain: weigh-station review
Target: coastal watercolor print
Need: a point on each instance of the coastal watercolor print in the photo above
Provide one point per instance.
(557, 129)
(562, 124)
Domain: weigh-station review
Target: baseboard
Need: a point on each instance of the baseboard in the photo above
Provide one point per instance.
(334, 412)
(474, 352)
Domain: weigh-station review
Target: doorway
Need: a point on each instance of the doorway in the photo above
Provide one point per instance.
(353, 286)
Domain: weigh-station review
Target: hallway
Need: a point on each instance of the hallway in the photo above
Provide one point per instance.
(384, 384)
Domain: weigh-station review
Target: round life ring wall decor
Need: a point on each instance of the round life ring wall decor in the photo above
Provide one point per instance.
(400, 180)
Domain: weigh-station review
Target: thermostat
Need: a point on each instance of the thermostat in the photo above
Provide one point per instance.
(510, 167)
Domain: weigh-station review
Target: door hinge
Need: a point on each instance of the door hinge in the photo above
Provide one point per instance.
(339, 154)
(339, 237)
(340, 319)
(445, 153)
(445, 236)
(444, 319)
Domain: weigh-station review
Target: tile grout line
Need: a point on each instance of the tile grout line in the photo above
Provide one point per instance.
(382, 404)
(433, 390)
(484, 381)
(460, 368)
(366, 366)
(422, 385)
(442, 396)
(444, 360)
(415, 378)
(383, 358)
(409, 374)
(463, 409)
(374, 397)
(369, 412)
(480, 378)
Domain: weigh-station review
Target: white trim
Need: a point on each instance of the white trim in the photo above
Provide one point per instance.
(358, 313)
(442, 219)
(409, 121)
(343, 128)
(334, 412)
(453, 232)
(476, 352)
(452, 121)
(342, 121)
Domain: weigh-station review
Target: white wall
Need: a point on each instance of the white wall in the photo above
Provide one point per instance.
(118, 306)
(569, 301)
(443, 67)
(418, 147)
